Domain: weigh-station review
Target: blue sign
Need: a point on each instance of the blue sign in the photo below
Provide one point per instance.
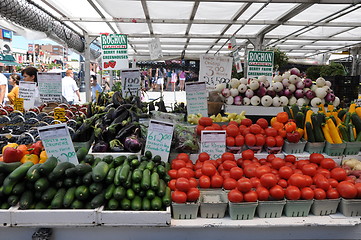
(6, 34)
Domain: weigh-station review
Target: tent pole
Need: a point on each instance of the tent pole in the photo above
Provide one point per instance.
(87, 66)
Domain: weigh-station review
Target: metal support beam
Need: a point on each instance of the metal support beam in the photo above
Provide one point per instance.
(257, 42)
(88, 41)
(356, 60)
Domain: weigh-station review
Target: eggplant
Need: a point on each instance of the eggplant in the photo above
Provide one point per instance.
(161, 106)
(123, 116)
(133, 116)
(127, 130)
(117, 99)
(111, 131)
(98, 133)
(133, 143)
(118, 111)
(116, 146)
(101, 146)
(109, 115)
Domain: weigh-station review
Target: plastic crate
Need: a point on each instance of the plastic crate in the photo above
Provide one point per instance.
(350, 207)
(273, 150)
(213, 204)
(315, 147)
(292, 148)
(242, 211)
(334, 149)
(270, 209)
(325, 207)
(256, 149)
(185, 210)
(352, 148)
(297, 208)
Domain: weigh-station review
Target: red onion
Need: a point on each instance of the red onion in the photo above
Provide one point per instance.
(295, 71)
(271, 92)
(226, 92)
(310, 94)
(281, 93)
(330, 97)
(238, 100)
(299, 93)
(285, 82)
(287, 92)
(307, 82)
(249, 93)
(261, 91)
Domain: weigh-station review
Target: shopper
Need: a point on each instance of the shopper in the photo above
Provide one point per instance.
(14, 93)
(160, 78)
(174, 79)
(169, 78)
(69, 87)
(30, 74)
(95, 87)
(3, 88)
(182, 80)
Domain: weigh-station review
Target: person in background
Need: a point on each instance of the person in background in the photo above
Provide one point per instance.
(3, 88)
(69, 87)
(30, 74)
(95, 87)
(182, 80)
(160, 78)
(14, 93)
(169, 78)
(174, 79)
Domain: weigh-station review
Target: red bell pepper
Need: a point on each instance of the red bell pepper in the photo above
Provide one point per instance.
(293, 137)
(12, 155)
(36, 148)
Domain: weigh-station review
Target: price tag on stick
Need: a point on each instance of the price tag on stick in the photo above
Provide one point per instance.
(57, 142)
(159, 138)
(213, 143)
(130, 82)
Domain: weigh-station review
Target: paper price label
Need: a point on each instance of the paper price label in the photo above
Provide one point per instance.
(213, 143)
(159, 138)
(19, 104)
(196, 96)
(130, 82)
(59, 114)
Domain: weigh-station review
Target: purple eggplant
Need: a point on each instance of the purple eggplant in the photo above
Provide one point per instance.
(101, 146)
(133, 143)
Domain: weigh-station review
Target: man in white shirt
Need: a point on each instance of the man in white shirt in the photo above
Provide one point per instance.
(3, 88)
(69, 87)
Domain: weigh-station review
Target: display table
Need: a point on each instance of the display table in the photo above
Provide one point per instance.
(256, 110)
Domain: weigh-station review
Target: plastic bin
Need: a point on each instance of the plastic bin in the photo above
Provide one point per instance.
(334, 149)
(242, 211)
(352, 148)
(256, 149)
(213, 204)
(185, 210)
(273, 150)
(325, 207)
(297, 208)
(292, 148)
(270, 209)
(315, 147)
(350, 207)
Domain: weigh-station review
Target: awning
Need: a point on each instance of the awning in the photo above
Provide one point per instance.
(9, 63)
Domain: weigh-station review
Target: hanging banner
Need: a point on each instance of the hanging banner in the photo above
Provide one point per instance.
(214, 143)
(260, 63)
(49, 85)
(155, 49)
(27, 92)
(196, 96)
(130, 82)
(114, 51)
(215, 70)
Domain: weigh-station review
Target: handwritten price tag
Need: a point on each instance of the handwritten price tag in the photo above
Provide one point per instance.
(159, 138)
(57, 142)
(215, 70)
(19, 104)
(213, 143)
(196, 95)
(130, 82)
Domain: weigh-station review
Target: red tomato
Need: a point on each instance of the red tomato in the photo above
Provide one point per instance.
(233, 122)
(247, 154)
(228, 156)
(239, 140)
(277, 163)
(216, 126)
(190, 165)
(171, 184)
(277, 192)
(247, 122)
(300, 163)
(198, 173)
(230, 141)
(332, 182)
(235, 196)
(285, 172)
(244, 185)
(319, 193)
(204, 181)
(205, 121)
(182, 184)
(228, 164)
(198, 165)
(193, 182)
(193, 194)
(209, 128)
(250, 140)
(270, 141)
(290, 158)
(316, 158)
(255, 129)
(208, 169)
(309, 169)
(216, 181)
(347, 190)
(339, 174)
(232, 130)
(307, 193)
(321, 182)
(358, 187)
(199, 129)
(250, 196)
(262, 193)
(255, 182)
(260, 140)
(225, 174)
(236, 173)
(324, 172)
(283, 183)
(177, 164)
(268, 180)
(279, 141)
(263, 123)
(328, 163)
(270, 157)
(308, 180)
(332, 194)
(185, 172)
(271, 132)
(246, 131)
(203, 156)
(297, 180)
(172, 173)
(293, 193)
(229, 183)
(262, 170)
(183, 156)
(250, 170)
(241, 129)
(179, 196)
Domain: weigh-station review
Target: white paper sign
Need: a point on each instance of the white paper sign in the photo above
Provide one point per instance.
(159, 138)
(27, 92)
(155, 49)
(215, 70)
(213, 143)
(196, 95)
(130, 82)
(57, 142)
(114, 51)
(49, 85)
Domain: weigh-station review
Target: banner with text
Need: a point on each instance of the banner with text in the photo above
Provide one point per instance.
(27, 92)
(130, 82)
(114, 51)
(49, 85)
(260, 63)
(213, 142)
(215, 70)
(196, 96)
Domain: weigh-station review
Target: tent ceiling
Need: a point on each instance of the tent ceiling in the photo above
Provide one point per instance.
(301, 28)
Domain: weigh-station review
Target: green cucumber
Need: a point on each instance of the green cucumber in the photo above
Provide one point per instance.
(100, 171)
(109, 191)
(58, 199)
(145, 183)
(69, 182)
(150, 165)
(110, 176)
(69, 197)
(59, 170)
(136, 203)
(48, 166)
(154, 181)
(119, 193)
(130, 194)
(128, 182)
(41, 184)
(8, 167)
(156, 203)
(41, 205)
(71, 172)
(125, 204)
(136, 187)
(33, 173)
(82, 193)
(167, 198)
(81, 153)
(124, 172)
(161, 189)
(112, 204)
(309, 130)
(13, 200)
(89, 158)
(96, 188)
(82, 169)
(137, 175)
(98, 200)
(77, 204)
(49, 194)
(26, 199)
(146, 204)
(19, 188)
(5, 205)
(116, 176)
(118, 161)
(18, 174)
(161, 171)
(108, 159)
(150, 194)
(88, 178)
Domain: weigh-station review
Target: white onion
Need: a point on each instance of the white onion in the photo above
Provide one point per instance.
(255, 101)
(285, 82)
(229, 100)
(320, 93)
(243, 81)
(293, 79)
(277, 86)
(276, 101)
(262, 78)
(292, 101)
(277, 78)
(328, 83)
(336, 102)
(253, 85)
(220, 87)
(300, 85)
(320, 82)
(292, 87)
(249, 93)
(266, 101)
(300, 102)
(315, 102)
(286, 75)
(234, 92)
(242, 88)
(284, 101)
(246, 101)
(234, 83)
(266, 84)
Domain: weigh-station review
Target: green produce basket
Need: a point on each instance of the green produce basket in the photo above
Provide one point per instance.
(352, 148)
(242, 211)
(297, 208)
(292, 148)
(213, 204)
(350, 207)
(185, 210)
(334, 149)
(270, 209)
(315, 147)
(325, 207)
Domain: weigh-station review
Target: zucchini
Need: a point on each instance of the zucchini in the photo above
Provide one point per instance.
(109, 191)
(137, 175)
(156, 203)
(82, 169)
(69, 197)
(317, 120)
(48, 166)
(145, 183)
(77, 204)
(71, 172)
(110, 176)
(19, 188)
(125, 204)
(130, 194)
(119, 193)
(59, 170)
(18, 174)
(150, 194)
(98, 200)
(58, 199)
(128, 183)
(167, 198)
(341, 113)
(13, 200)
(118, 161)
(112, 204)
(287, 110)
(124, 172)
(161, 189)
(310, 135)
(350, 132)
(136, 203)
(136, 187)
(295, 110)
(41, 205)
(41, 184)
(116, 176)
(8, 167)
(49, 194)
(26, 199)
(82, 193)
(33, 173)
(344, 133)
(154, 181)
(356, 121)
(88, 178)
(69, 182)
(100, 171)
(146, 204)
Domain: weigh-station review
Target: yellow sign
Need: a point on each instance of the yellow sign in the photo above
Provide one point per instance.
(59, 114)
(19, 104)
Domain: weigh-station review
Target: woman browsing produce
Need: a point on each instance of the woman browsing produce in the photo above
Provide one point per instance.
(14, 93)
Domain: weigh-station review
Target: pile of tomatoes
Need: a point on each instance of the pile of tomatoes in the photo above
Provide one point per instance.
(249, 179)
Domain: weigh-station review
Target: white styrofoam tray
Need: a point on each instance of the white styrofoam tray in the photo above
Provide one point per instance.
(114, 154)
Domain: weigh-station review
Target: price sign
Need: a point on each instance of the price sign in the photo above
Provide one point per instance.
(59, 114)
(19, 104)
(196, 96)
(215, 70)
(49, 87)
(159, 138)
(27, 92)
(213, 143)
(57, 142)
(130, 82)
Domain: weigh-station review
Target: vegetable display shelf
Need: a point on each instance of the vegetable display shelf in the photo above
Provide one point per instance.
(256, 110)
